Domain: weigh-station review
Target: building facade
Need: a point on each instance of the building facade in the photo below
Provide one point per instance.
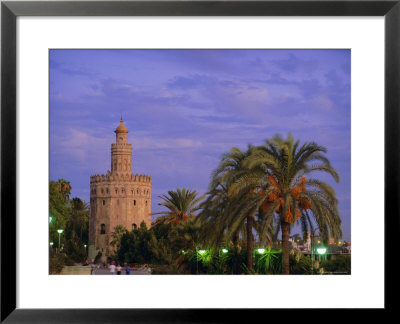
(118, 197)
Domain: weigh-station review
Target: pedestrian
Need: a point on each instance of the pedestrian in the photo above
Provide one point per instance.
(119, 268)
(127, 270)
(112, 268)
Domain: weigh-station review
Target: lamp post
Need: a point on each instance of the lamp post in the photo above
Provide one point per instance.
(85, 248)
(59, 238)
(321, 251)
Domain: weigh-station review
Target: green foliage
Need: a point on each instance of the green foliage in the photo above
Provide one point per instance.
(117, 234)
(59, 208)
(70, 215)
(299, 263)
(75, 250)
(56, 264)
(340, 264)
(181, 204)
(269, 262)
(141, 246)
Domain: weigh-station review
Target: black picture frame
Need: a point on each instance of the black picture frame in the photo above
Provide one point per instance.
(10, 10)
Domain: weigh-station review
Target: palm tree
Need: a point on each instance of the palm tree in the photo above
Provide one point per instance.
(228, 212)
(181, 205)
(80, 216)
(64, 187)
(116, 235)
(290, 194)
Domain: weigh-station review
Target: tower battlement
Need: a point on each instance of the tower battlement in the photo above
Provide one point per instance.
(108, 177)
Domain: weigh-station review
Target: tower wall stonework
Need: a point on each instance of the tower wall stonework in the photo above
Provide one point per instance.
(117, 198)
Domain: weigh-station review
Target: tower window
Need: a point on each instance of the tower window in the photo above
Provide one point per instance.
(134, 203)
(116, 191)
(146, 202)
(134, 226)
(104, 202)
(103, 229)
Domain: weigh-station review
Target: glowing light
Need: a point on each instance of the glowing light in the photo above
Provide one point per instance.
(321, 250)
(51, 243)
(224, 251)
(261, 251)
(202, 251)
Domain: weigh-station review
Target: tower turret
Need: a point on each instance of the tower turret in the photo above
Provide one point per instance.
(121, 151)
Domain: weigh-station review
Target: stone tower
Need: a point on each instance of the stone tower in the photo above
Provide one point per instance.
(117, 197)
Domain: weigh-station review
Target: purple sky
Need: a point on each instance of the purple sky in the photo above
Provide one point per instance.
(184, 108)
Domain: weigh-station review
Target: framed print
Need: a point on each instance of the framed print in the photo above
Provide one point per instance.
(181, 91)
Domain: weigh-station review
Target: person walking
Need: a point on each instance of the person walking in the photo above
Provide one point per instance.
(127, 270)
(119, 268)
(112, 268)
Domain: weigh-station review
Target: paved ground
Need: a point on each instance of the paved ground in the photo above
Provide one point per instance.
(134, 272)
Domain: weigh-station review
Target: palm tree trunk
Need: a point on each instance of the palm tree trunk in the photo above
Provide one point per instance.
(250, 219)
(285, 242)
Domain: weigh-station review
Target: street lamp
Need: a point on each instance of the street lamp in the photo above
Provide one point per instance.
(321, 251)
(85, 248)
(59, 238)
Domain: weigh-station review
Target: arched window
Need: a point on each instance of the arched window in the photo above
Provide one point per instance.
(134, 203)
(103, 229)
(146, 202)
(134, 226)
(104, 202)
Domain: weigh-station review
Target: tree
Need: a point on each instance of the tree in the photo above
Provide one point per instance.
(59, 207)
(76, 229)
(117, 234)
(181, 205)
(227, 212)
(290, 194)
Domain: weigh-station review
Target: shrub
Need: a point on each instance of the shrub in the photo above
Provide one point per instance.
(56, 264)
(341, 264)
